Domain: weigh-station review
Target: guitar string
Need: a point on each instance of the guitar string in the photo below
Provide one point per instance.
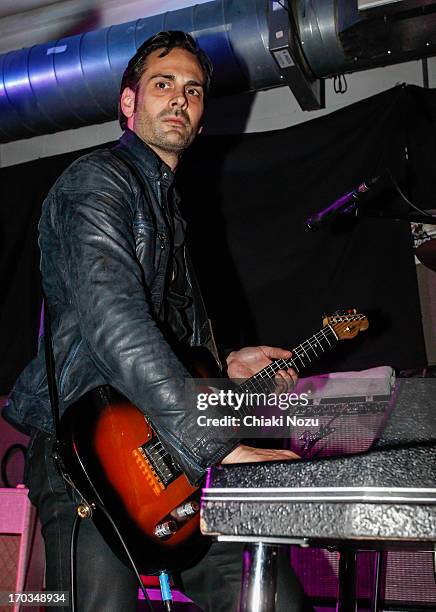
(281, 363)
(159, 451)
(297, 349)
(258, 381)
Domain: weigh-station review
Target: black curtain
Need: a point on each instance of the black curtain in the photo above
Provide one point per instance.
(265, 278)
(23, 189)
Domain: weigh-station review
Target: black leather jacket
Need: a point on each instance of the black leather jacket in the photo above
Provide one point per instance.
(105, 246)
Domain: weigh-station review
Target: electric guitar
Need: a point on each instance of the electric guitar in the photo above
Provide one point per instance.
(114, 459)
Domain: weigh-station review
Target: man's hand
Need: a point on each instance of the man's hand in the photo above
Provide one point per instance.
(248, 361)
(244, 364)
(248, 454)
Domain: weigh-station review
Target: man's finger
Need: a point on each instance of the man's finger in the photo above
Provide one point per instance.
(293, 374)
(274, 352)
(284, 381)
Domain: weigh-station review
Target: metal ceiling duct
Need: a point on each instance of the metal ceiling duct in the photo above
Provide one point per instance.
(74, 81)
(253, 44)
(337, 37)
(32, 22)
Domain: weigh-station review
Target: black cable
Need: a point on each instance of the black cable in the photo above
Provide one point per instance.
(405, 198)
(120, 537)
(73, 540)
(51, 372)
(73, 550)
(283, 6)
(6, 457)
(73, 546)
(69, 481)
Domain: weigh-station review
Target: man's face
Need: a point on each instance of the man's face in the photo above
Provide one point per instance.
(166, 109)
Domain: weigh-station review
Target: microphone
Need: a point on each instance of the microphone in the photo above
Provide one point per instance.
(344, 204)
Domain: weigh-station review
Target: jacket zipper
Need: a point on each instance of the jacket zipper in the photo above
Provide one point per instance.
(162, 239)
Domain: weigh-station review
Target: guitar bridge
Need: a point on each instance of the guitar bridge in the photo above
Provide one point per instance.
(161, 462)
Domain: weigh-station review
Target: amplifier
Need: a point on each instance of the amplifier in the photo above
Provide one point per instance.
(21, 546)
(346, 412)
(408, 578)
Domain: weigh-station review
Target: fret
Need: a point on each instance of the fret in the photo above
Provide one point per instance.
(297, 356)
(248, 385)
(244, 411)
(326, 337)
(332, 331)
(264, 385)
(268, 384)
(306, 353)
(299, 360)
(320, 338)
(295, 367)
(282, 364)
(312, 347)
(316, 342)
(258, 385)
(267, 372)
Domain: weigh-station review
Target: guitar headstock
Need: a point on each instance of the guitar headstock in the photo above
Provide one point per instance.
(346, 324)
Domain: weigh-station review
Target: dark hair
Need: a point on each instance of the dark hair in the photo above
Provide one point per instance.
(166, 41)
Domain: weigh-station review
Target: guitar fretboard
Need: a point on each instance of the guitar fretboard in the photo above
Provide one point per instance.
(302, 356)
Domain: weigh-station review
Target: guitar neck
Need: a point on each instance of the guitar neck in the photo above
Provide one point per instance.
(302, 356)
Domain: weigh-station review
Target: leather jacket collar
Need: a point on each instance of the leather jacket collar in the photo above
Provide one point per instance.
(147, 162)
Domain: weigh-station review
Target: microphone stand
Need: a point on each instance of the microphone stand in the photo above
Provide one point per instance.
(412, 217)
(348, 205)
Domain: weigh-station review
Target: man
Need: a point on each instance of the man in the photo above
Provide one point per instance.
(123, 298)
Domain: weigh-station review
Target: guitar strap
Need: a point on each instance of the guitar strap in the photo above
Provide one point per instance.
(50, 367)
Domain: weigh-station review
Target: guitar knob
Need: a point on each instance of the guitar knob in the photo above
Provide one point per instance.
(163, 530)
(186, 510)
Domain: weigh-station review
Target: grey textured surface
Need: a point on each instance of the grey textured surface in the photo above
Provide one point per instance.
(405, 456)
(413, 413)
(319, 521)
(414, 466)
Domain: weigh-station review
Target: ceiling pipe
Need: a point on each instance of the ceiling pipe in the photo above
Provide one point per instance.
(253, 44)
(12, 7)
(75, 81)
(37, 23)
(337, 37)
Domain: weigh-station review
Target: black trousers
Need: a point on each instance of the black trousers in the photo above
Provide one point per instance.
(104, 583)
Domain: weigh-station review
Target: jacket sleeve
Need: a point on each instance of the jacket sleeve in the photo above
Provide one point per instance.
(107, 288)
